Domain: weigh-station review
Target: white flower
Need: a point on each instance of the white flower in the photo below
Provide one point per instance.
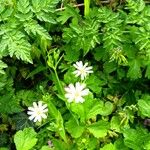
(76, 93)
(37, 112)
(82, 70)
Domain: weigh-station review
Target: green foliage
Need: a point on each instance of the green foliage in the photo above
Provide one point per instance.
(40, 40)
(25, 139)
(144, 106)
(136, 139)
(99, 129)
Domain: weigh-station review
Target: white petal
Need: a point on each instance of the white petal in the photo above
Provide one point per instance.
(40, 104)
(85, 92)
(79, 64)
(70, 100)
(44, 106)
(35, 105)
(45, 110)
(31, 117)
(44, 116)
(35, 119)
(39, 118)
(30, 112)
(31, 108)
(85, 65)
(79, 100)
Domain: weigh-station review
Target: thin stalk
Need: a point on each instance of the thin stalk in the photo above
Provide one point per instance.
(58, 81)
(86, 7)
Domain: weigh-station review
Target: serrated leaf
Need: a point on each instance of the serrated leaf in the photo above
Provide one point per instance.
(9, 105)
(23, 6)
(2, 66)
(44, 10)
(99, 129)
(37, 30)
(17, 45)
(26, 139)
(136, 139)
(74, 128)
(68, 13)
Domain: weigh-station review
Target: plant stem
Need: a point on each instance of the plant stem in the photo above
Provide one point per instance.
(86, 7)
(58, 81)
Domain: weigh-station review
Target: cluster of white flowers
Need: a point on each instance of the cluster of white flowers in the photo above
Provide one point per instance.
(74, 93)
(77, 92)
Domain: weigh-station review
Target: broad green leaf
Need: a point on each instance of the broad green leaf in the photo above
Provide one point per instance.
(96, 87)
(99, 129)
(108, 147)
(79, 110)
(136, 138)
(106, 108)
(115, 123)
(74, 128)
(59, 145)
(45, 148)
(26, 139)
(144, 107)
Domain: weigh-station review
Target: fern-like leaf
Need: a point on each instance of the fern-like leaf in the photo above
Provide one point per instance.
(44, 10)
(34, 28)
(15, 44)
(2, 66)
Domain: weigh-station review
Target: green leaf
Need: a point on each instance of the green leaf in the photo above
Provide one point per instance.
(108, 147)
(24, 12)
(45, 148)
(134, 71)
(36, 71)
(59, 145)
(26, 139)
(74, 128)
(44, 10)
(96, 87)
(17, 45)
(2, 66)
(34, 28)
(136, 138)
(79, 110)
(8, 104)
(115, 123)
(106, 108)
(144, 106)
(56, 115)
(99, 129)
(23, 6)
(69, 12)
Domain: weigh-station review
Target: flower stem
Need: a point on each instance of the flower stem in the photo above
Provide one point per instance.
(61, 91)
(86, 7)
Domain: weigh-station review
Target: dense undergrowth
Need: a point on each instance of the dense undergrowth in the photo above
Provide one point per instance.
(42, 47)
